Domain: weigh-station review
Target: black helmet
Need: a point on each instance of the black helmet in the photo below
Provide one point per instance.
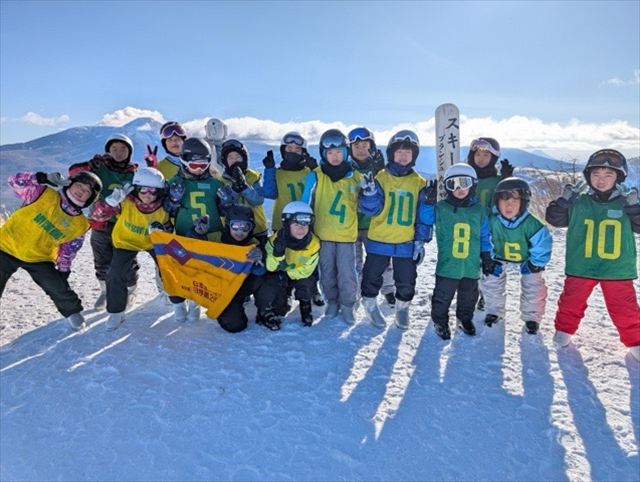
(234, 145)
(240, 213)
(607, 158)
(196, 151)
(511, 184)
(404, 139)
(91, 180)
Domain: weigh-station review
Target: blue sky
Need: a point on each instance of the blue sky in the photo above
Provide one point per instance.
(374, 63)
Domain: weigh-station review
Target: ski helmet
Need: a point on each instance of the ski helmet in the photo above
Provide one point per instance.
(510, 185)
(484, 144)
(234, 145)
(293, 137)
(362, 134)
(606, 158)
(169, 129)
(298, 212)
(196, 155)
(148, 177)
(460, 175)
(120, 138)
(237, 215)
(91, 180)
(333, 139)
(404, 139)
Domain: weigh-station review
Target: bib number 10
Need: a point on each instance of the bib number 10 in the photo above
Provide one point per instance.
(461, 237)
(605, 228)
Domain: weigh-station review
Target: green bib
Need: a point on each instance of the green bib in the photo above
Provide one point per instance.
(112, 179)
(485, 190)
(512, 245)
(199, 199)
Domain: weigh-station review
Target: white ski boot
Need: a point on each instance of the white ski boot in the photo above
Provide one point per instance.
(373, 312)
(402, 314)
(635, 352)
(114, 320)
(561, 339)
(76, 321)
(180, 311)
(194, 311)
(101, 302)
(348, 314)
(332, 309)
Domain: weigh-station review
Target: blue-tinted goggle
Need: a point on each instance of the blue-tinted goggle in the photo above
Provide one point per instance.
(360, 134)
(293, 139)
(406, 135)
(333, 141)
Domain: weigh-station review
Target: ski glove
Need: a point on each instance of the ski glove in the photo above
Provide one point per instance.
(227, 196)
(506, 168)
(279, 244)
(431, 192)
(630, 193)
(268, 160)
(176, 191)
(54, 179)
(239, 182)
(255, 255)
(118, 195)
(368, 184)
(158, 226)
(310, 161)
(488, 263)
(418, 251)
(201, 225)
(151, 157)
(571, 192)
(377, 159)
(527, 267)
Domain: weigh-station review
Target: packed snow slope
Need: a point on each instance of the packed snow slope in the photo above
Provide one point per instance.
(157, 400)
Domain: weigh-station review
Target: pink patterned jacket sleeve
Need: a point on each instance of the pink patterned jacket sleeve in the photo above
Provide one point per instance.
(25, 186)
(67, 252)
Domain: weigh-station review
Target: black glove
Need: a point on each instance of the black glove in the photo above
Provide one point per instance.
(54, 179)
(488, 264)
(506, 168)
(377, 160)
(239, 181)
(309, 160)
(268, 160)
(279, 244)
(201, 225)
(431, 192)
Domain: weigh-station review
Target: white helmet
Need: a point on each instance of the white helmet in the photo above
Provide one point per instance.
(460, 175)
(297, 211)
(120, 138)
(148, 177)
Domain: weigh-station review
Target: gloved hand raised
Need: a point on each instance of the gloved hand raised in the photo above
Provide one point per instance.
(431, 192)
(118, 195)
(227, 196)
(629, 193)
(151, 156)
(506, 168)
(176, 191)
(309, 161)
(368, 184)
(571, 191)
(279, 243)
(269, 161)
(53, 179)
(239, 182)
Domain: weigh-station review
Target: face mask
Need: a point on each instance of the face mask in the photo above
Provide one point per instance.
(292, 157)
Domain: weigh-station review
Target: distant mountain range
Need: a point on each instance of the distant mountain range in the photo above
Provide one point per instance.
(56, 152)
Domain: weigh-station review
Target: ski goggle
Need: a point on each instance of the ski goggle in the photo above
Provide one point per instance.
(302, 219)
(293, 139)
(333, 141)
(483, 145)
(172, 129)
(607, 157)
(154, 191)
(360, 134)
(406, 135)
(233, 143)
(506, 195)
(458, 182)
(240, 226)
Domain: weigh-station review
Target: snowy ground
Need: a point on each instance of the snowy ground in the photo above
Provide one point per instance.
(160, 401)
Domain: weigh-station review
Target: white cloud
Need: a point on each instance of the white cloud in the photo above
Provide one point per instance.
(38, 120)
(126, 115)
(618, 82)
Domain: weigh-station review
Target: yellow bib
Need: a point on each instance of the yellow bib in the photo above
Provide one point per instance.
(168, 169)
(34, 232)
(252, 177)
(395, 223)
(132, 227)
(290, 186)
(335, 205)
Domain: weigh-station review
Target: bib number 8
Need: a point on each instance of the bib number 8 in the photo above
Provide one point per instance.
(604, 227)
(461, 237)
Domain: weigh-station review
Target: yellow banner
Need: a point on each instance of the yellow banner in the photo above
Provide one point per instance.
(203, 271)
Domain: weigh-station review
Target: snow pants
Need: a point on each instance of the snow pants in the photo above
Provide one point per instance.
(533, 295)
(338, 272)
(122, 263)
(278, 286)
(387, 276)
(619, 296)
(405, 271)
(102, 248)
(443, 293)
(234, 319)
(47, 277)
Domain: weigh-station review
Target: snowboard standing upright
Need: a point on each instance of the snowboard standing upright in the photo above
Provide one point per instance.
(447, 141)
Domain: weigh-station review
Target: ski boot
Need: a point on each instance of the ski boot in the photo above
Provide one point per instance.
(193, 311)
(391, 299)
(490, 320)
(532, 327)
(180, 311)
(269, 320)
(442, 330)
(76, 321)
(101, 302)
(373, 312)
(305, 312)
(332, 309)
(114, 320)
(348, 315)
(467, 327)
(317, 299)
(402, 314)
(131, 295)
(561, 339)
